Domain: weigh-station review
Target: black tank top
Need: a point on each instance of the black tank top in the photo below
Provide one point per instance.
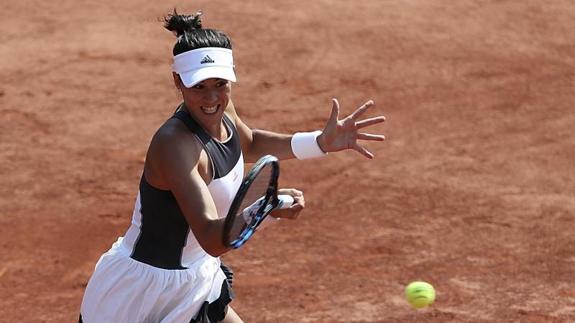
(164, 229)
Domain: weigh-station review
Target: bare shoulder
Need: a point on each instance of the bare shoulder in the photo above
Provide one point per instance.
(173, 135)
(173, 149)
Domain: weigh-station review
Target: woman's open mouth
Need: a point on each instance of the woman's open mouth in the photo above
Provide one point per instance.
(210, 110)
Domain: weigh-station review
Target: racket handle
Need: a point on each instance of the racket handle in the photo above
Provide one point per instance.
(285, 201)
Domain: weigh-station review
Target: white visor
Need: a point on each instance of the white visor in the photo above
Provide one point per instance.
(201, 64)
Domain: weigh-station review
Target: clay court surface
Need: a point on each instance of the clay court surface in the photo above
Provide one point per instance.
(473, 191)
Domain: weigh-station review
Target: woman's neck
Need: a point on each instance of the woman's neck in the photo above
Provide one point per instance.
(216, 129)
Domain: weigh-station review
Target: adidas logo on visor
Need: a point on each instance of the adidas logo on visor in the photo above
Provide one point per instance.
(207, 59)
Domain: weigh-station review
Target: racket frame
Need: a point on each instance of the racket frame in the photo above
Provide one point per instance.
(271, 201)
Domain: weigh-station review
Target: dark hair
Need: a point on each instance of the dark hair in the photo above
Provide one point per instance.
(188, 29)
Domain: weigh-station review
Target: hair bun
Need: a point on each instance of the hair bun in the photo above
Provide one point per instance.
(179, 24)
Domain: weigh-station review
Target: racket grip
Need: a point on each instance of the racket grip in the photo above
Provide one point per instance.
(285, 201)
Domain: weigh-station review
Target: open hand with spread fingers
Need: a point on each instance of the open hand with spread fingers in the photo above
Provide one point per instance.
(344, 134)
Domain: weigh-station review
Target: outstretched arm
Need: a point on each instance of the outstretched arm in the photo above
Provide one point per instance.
(257, 143)
(338, 134)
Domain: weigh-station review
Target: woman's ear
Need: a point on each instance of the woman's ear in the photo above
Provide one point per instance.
(177, 81)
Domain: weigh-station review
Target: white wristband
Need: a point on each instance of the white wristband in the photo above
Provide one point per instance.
(304, 145)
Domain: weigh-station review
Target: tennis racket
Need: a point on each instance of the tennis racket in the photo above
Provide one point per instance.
(256, 198)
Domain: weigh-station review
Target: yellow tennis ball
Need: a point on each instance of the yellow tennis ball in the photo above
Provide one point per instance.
(420, 294)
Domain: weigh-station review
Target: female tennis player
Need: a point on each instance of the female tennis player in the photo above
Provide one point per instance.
(166, 268)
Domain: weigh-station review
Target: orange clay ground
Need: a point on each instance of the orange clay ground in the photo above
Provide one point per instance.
(473, 191)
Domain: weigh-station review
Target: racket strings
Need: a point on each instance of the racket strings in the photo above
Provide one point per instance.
(253, 203)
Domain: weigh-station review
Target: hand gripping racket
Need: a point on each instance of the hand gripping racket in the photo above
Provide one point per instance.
(256, 198)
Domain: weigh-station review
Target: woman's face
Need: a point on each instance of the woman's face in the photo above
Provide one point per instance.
(207, 100)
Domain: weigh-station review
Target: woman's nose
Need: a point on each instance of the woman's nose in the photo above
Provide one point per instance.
(211, 97)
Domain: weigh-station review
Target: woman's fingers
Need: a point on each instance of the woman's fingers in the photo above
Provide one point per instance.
(290, 191)
(361, 110)
(362, 151)
(334, 115)
(294, 210)
(369, 122)
(343, 134)
(368, 136)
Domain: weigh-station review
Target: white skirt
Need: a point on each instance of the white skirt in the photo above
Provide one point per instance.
(124, 290)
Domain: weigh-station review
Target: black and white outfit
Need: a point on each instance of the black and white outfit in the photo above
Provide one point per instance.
(158, 272)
